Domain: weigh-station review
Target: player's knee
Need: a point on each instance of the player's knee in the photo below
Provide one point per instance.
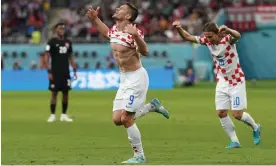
(117, 121)
(237, 114)
(65, 93)
(116, 117)
(127, 119)
(54, 94)
(65, 98)
(222, 113)
(54, 97)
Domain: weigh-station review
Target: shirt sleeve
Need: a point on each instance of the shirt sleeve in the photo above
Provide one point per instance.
(201, 40)
(111, 31)
(48, 46)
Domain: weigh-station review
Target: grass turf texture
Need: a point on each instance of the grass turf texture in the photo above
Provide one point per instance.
(193, 135)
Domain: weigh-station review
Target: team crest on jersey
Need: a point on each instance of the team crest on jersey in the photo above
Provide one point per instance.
(221, 62)
(67, 44)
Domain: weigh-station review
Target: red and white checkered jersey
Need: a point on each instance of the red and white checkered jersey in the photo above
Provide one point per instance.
(123, 38)
(226, 60)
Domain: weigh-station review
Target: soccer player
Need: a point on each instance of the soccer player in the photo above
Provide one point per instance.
(127, 45)
(59, 50)
(230, 89)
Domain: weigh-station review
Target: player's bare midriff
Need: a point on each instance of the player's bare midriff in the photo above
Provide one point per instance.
(128, 59)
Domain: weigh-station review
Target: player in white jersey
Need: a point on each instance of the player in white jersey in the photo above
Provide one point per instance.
(230, 89)
(127, 45)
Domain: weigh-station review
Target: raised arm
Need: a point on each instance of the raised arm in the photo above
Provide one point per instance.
(184, 34)
(142, 46)
(101, 27)
(235, 35)
(138, 37)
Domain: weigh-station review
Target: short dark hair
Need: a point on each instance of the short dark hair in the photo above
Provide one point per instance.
(210, 27)
(58, 24)
(134, 11)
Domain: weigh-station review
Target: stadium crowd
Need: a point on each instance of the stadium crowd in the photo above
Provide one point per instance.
(154, 20)
(24, 20)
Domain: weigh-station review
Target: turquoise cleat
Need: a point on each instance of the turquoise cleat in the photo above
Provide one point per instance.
(257, 135)
(160, 108)
(135, 160)
(233, 145)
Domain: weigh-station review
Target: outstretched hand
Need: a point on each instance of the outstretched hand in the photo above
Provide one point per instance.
(93, 14)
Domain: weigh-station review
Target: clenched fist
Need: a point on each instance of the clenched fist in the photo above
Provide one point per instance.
(223, 29)
(177, 24)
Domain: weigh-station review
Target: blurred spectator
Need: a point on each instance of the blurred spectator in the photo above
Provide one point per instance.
(14, 54)
(98, 65)
(164, 54)
(33, 65)
(155, 54)
(86, 65)
(46, 5)
(5, 29)
(23, 55)
(169, 65)
(190, 78)
(36, 36)
(94, 54)
(16, 66)
(5, 54)
(35, 19)
(110, 63)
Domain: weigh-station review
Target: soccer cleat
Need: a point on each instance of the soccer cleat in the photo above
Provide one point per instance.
(233, 145)
(257, 135)
(160, 108)
(135, 160)
(51, 118)
(65, 118)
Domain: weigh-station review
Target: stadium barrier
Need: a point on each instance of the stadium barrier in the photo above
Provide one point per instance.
(87, 80)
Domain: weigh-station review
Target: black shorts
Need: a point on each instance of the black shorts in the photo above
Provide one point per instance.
(60, 84)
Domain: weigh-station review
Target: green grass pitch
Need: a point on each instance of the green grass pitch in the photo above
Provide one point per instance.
(193, 135)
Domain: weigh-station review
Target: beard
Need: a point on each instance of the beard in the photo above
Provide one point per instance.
(114, 15)
(117, 16)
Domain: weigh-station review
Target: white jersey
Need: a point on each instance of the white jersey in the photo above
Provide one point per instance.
(131, 95)
(226, 61)
(123, 38)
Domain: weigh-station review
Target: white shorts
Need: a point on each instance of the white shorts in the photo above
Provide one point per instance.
(233, 98)
(132, 91)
